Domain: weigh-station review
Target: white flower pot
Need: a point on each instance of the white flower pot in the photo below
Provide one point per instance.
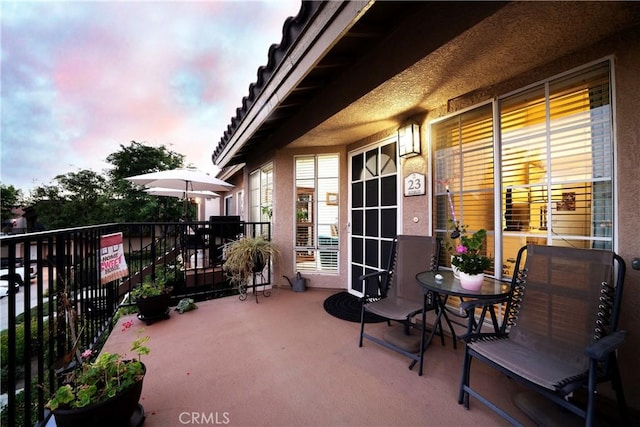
(472, 282)
(456, 272)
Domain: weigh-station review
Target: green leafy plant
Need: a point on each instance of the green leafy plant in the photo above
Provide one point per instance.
(108, 375)
(165, 277)
(468, 255)
(244, 256)
(267, 210)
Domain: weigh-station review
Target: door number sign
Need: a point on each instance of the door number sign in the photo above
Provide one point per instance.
(414, 185)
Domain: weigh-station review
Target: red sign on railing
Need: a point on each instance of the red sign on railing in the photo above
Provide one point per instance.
(112, 263)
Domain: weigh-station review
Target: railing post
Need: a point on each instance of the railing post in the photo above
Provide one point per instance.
(61, 321)
(11, 309)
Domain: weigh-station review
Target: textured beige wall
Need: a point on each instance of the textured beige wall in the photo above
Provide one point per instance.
(627, 97)
(415, 209)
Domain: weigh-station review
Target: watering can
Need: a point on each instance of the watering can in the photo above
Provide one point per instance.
(298, 284)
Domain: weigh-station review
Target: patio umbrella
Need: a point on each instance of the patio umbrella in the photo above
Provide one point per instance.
(171, 192)
(185, 180)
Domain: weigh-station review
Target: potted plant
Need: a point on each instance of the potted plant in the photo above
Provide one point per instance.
(470, 261)
(104, 392)
(246, 256)
(153, 295)
(451, 242)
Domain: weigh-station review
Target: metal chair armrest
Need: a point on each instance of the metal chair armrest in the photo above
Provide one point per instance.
(601, 348)
(380, 281)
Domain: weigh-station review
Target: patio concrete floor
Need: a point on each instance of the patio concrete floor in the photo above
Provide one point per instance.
(286, 362)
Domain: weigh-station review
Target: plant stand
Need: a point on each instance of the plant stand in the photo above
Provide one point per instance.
(243, 288)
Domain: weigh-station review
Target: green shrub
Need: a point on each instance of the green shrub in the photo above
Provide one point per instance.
(19, 349)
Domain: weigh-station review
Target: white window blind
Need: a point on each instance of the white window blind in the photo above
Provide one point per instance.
(556, 171)
(316, 205)
(463, 155)
(557, 163)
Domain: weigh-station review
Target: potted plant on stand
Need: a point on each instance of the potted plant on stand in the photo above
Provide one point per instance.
(104, 392)
(245, 257)
(153, 296)
(470, 261)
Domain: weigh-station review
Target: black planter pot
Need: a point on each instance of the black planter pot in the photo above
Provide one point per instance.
(121, 410)
(154, 308)
(258, 263)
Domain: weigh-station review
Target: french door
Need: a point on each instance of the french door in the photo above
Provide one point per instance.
(374, 218)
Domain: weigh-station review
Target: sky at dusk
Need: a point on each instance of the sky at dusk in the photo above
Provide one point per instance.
(79, 79)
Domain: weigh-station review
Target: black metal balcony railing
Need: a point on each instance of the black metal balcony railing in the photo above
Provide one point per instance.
(61, 274)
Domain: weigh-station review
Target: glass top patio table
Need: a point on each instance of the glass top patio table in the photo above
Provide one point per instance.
(449, 285)
(492, 290)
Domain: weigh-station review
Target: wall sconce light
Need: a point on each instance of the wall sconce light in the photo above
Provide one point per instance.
(409, 140)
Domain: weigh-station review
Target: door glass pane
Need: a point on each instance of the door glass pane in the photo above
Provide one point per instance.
(371, 167)
(357, 194)
(357, 223)
(357, 250)
(388, 222)
(371, 253)
(371, 222)
(371, 195)
(388, 159)
(388, 193)
(357, 167)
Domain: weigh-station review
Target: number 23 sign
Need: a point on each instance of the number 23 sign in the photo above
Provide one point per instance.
(414, 185)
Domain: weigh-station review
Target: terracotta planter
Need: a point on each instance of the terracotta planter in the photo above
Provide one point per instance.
(121, 410)
(472, 282)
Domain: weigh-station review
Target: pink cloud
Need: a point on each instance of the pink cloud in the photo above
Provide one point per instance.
(99, 74)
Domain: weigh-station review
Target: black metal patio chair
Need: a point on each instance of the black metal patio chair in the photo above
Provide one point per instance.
(395, 295)
(560, 332)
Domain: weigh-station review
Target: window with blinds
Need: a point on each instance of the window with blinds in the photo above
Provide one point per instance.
(557, 163)
(464, 175)
(317, 184)
(261, 195)
(555, 177)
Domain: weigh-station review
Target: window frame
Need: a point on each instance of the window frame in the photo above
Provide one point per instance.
(499, 162)
(318, 249)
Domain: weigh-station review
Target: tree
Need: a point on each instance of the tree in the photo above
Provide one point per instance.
(129, 203)
(86, 197)
(78, 198)
(10, 197)
(138, 158)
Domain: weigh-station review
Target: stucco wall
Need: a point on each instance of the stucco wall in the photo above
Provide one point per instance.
(627, 97)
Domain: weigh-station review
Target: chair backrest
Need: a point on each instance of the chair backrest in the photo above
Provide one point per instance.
(565, 298)
(412, 255)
